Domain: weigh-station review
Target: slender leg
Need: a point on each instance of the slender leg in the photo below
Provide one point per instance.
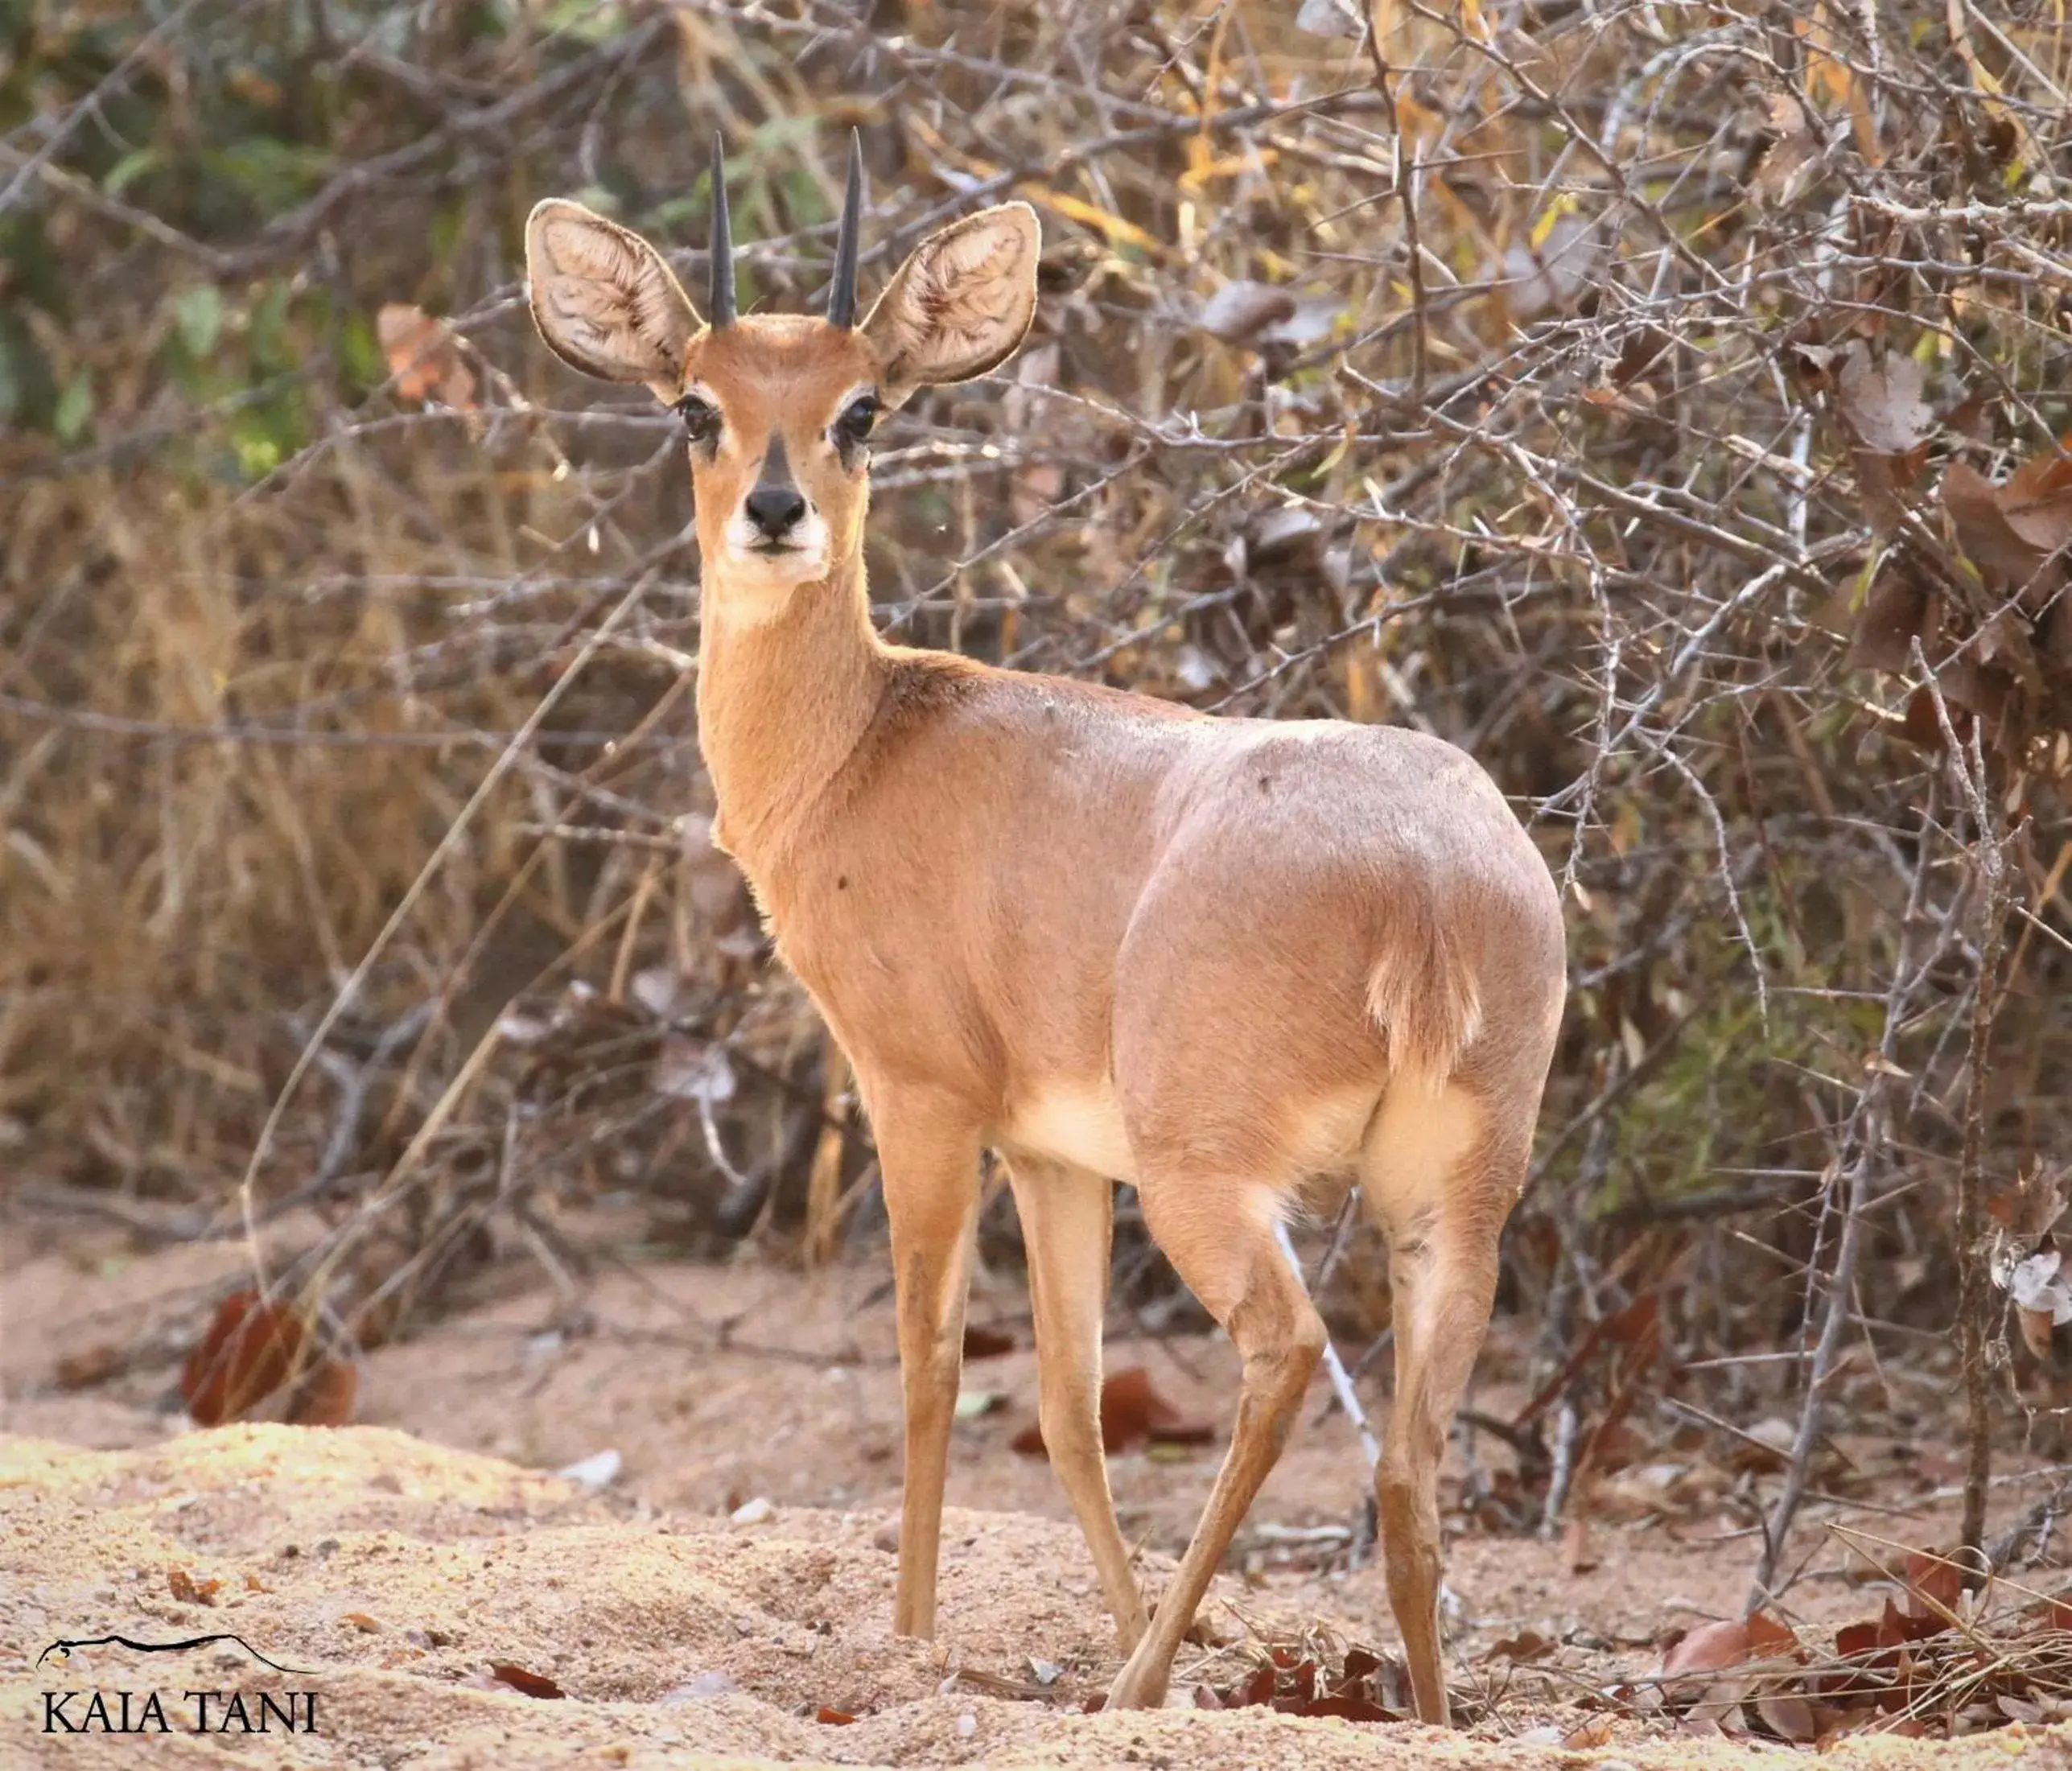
(1067, 1216)
(1217, 1238)
(1443, 1293)
(1440, 1189)
(929, 1158)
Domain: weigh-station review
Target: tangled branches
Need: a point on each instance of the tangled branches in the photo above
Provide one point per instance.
(1659, 400)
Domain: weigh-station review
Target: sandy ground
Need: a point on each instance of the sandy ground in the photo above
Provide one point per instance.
(397, 1560)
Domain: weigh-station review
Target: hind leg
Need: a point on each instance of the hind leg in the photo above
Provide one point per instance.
(1440, 1176)
(1219, 1235)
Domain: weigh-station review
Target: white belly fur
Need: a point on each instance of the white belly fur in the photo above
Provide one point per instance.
(1076, 1122)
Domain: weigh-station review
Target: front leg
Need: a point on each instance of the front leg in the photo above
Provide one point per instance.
(927, 1154)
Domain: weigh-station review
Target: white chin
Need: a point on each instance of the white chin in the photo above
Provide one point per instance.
(776, 571)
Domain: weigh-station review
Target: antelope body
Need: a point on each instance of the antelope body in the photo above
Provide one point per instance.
(1224, 960)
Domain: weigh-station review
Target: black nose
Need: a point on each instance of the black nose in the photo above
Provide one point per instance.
(773, 509)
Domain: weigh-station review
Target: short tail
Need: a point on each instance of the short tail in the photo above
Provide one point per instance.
(1423, 997)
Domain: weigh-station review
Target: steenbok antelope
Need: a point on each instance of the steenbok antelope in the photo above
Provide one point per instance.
(1111, 938)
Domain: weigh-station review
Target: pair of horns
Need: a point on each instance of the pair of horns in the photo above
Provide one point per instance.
(841, 294)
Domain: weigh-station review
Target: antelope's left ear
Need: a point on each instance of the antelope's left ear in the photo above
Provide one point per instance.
(960, 305)
(604, 301)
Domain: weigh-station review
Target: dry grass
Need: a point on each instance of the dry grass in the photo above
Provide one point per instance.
(1501, 371)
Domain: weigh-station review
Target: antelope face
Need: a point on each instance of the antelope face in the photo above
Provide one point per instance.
(779, 409)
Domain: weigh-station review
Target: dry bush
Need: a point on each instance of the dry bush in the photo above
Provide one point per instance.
(1659, 400)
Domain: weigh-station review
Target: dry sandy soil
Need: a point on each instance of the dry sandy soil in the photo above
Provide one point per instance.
(397, 1559)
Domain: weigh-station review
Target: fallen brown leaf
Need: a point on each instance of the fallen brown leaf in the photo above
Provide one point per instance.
(1132, 1413)
(509, 1673)
(1131, 1410)
(93, 1365)
(1710, 1648)
(1527, 1646)
(324, 1396)
(1934, 1583)
(183, 1586)
(1789, 1718)
(1256, 1689)
(1345, 1709)
(1596, 1732)
(244, 1358)
(987, 1343)
(1768, 1637)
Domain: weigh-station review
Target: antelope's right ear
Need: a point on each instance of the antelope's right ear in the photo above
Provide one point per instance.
(604, 301)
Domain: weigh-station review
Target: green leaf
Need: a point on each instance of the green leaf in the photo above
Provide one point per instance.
(75, 409)
(269, 319)
(198, 312)
(360, 353)
(258, 455)
(274, 175)
(585, 20)
(132, 167)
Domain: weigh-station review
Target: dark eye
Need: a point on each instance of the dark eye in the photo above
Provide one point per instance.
(857, 419)
(701, 418)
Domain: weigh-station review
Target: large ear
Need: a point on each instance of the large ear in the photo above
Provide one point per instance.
(604, 301)
(960, 304)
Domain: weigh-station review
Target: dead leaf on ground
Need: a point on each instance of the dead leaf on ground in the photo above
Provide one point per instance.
(1896, 1625)
(834, 1717)
(1729, 1642)
(1710, 1648)
(980, 1343)
(92, 1365)
(1769, 1638)
(424, 356)
(1132, 1413)
(1294, 1682)
(509, 1673)
(1789, 1718)
(183, 1586)
(1934, 1583)
(325, 1395)
(1527, 1646)
(244, 1358)
(1131, 1410)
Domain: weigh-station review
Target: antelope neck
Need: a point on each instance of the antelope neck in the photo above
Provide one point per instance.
(782, 704)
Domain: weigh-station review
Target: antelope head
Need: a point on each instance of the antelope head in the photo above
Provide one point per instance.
(779, 408)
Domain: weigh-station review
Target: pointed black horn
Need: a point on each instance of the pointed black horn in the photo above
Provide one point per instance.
(722, 303)
(842, 293)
